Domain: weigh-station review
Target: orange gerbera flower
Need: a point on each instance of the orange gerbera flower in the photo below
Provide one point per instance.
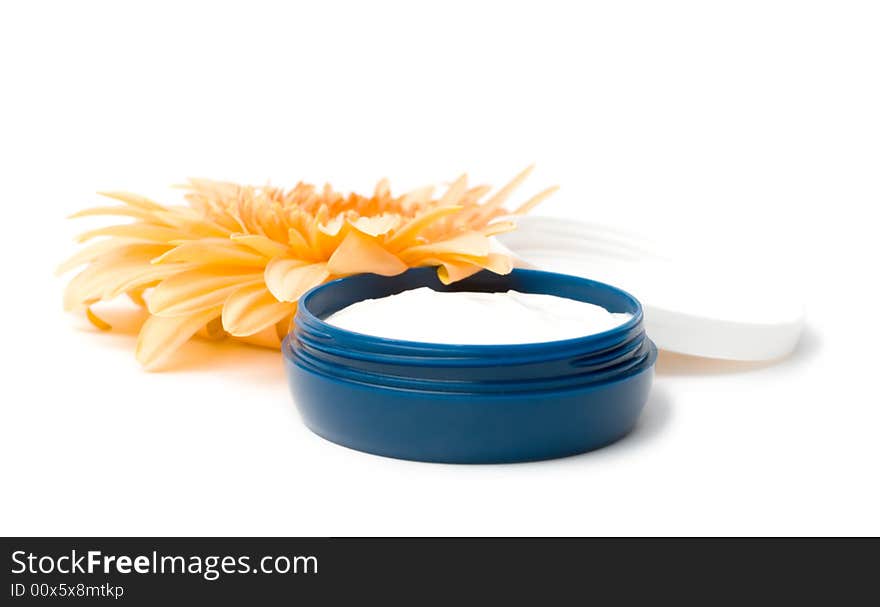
(235, 261)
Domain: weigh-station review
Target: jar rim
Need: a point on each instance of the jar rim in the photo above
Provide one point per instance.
(305, 316)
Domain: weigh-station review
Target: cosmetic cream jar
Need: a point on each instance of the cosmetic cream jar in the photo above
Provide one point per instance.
(468, 403)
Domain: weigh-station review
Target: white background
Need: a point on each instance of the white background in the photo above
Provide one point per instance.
(754, 122)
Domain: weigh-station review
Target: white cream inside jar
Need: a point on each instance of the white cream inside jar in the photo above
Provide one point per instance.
(472, 318)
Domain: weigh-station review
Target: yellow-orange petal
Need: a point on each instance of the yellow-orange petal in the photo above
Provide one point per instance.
(140, 202)
(456, 189)
(142, 277)
(417, 197)
(383, 188)
(213, 251)
(501, 196)
(469, 243)
(261, 244)
(376, 225)
(96, 320)
(137, 296)
(494, 262)
(120, 211)
(97, 250)
(196, 290)
(360, 253)
(452, 268)
(407, 234)
(253, 308)
(332, 226)
(452, 271)
(535, 200)
(287, 279)
(500, 227)
(267, 338)
(475, 193)
(141, 231)
(285, 325)
(299, 247)
(190, 221)
(117, 272)
(162, 335)
(212, 331)
(497, 263)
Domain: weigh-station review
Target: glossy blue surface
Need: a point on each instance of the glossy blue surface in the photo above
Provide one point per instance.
(466, 403)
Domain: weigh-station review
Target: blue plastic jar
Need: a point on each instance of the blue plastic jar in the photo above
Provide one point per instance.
(468, 403)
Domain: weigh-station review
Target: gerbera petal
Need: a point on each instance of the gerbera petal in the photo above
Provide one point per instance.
(96, 320)
(377, 225)
(299, 247)
(192, 223)
(500, 227)
(535, 200)
(407, 234)
(452, 268)
(213, 330)
(501, 196)
(136, 212)
(456, 189)
(141, 231)
(469, 243)
(383, 188)
(417, 197)
(193, 291)
(267, 338)
(253, 308)
(162, 335)
(143, 277)
(97, 250)
(332, 226)
(475, 193)
(115, 273)
(216, 252)
(497, 263)
(288, 278)
(494, 262)
(360, 253)
(137, 296)
(140, 202)
(451, 271)
(261, 244)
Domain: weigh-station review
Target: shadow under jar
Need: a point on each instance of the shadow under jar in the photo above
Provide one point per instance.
(468, 403)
